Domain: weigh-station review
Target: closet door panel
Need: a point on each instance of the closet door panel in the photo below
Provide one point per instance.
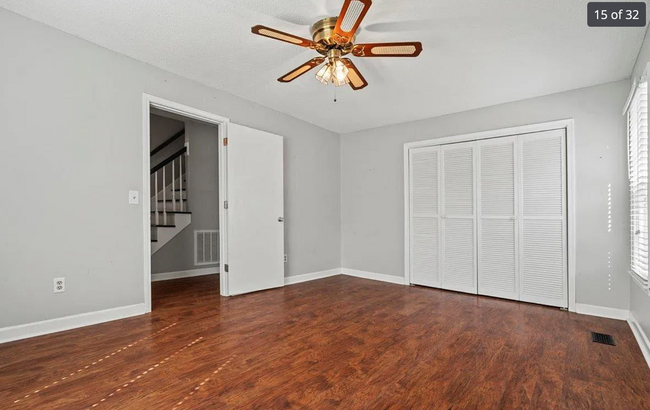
(459, 218)
(497, 177)
(459, 180)
(497, 264)
(543, 275)
(497, 242)
(543, 256)
(543, 174)
(425, 219)
(459, 267)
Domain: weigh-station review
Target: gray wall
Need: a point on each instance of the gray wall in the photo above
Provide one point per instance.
(639, 300)
(161, 129)
(203, 195)
(71, 115)
(372, 184)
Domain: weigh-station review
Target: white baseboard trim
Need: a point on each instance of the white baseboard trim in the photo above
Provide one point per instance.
(641, 337)
(44, 327)
(341, 271)
(399, 280)
(156, 277)
(610, 313)
(291, 280)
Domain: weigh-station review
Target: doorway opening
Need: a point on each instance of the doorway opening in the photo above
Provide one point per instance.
(184, 199)
(184, 174)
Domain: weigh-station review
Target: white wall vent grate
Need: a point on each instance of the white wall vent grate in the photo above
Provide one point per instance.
(206, 247)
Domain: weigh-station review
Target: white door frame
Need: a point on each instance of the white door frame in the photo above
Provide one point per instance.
(149, 101)
(566, 124)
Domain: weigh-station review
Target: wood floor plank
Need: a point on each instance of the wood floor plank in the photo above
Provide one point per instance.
(336, 343)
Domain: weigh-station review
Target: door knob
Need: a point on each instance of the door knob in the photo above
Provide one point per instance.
(280, 219)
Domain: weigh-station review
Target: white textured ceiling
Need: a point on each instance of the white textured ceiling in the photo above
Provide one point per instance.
(476, 52)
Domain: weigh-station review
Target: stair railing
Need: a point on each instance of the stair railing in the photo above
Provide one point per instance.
(173, 167)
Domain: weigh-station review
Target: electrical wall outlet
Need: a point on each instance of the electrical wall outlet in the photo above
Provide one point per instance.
(285, 258)
(59, 285)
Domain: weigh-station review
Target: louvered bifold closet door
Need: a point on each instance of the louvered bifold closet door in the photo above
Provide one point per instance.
(459, 218)
(425, 216)
(543, 260)
(497, 225)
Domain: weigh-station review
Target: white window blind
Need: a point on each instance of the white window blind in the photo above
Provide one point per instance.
(637, 125)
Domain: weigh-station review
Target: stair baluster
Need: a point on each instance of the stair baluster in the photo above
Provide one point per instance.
(155, 184)
(164, 190)
(174, 185)
(180, 172)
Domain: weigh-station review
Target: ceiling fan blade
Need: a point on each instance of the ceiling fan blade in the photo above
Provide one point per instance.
(407, 49)
(282, 36)
(357, 81)
(352, 13)
(297, 72)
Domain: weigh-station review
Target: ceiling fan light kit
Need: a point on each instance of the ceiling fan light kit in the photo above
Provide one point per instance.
(334, 37)
(334, 70)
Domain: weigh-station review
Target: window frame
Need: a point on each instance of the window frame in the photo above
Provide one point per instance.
(636, 114)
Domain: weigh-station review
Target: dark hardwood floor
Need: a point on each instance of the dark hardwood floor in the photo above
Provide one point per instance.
(336, 343)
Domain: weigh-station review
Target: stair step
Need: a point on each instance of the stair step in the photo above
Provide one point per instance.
(154, 240)
(179, 189)
(163, 226)
(171, 200)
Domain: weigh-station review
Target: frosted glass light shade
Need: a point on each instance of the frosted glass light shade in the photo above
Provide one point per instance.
(340, 72)
(324, 75)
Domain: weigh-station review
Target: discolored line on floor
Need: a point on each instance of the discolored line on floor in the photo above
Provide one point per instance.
(200, 385)
(96, 362)
(150, 369)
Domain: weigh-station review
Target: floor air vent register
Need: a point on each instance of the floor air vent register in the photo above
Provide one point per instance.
(602, 338)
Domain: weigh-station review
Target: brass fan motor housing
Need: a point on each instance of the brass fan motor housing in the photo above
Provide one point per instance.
(322, 33)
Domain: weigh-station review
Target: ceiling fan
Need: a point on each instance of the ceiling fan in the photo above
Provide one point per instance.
(333, 37)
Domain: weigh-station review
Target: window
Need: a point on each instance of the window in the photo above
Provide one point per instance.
(637, 131)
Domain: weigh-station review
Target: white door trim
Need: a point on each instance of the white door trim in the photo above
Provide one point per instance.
(149, 101)
(568, 125)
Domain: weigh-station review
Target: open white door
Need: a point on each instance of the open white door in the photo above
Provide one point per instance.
(255, 210)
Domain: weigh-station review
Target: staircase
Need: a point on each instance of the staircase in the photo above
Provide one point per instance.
(169, 203)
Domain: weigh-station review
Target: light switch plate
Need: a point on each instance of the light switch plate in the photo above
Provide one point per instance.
(134, 197)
